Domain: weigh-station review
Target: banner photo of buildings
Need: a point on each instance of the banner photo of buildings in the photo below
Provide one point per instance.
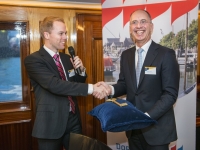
(176, 27)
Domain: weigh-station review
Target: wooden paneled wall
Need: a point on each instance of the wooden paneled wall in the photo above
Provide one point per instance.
(16, 136)
(15, 133)
(34, 15)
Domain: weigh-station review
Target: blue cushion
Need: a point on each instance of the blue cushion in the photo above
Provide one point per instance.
(114, 118)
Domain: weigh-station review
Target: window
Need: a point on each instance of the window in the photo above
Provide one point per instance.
(14, 82)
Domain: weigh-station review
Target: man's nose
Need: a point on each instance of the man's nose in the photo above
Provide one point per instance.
(139, 25)
(65, 37)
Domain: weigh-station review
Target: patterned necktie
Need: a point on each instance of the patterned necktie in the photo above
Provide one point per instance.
(139, 65)
(62, 74)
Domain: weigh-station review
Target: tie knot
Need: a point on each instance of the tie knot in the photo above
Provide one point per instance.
(140, 50)
(56, 57)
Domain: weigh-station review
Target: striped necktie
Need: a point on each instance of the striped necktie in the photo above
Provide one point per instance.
(139, 64)
(62, 74)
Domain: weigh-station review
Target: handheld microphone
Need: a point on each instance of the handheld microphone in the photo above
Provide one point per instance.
(72, 53)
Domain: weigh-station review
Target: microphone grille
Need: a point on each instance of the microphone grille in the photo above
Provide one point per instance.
(71, 50)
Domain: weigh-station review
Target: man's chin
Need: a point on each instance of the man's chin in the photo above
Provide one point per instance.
(139, 40)
(62, 47)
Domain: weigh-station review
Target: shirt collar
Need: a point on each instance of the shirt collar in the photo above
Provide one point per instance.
(52, 53)
(146, 46)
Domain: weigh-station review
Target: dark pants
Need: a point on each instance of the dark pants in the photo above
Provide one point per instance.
(73, 126)
(138, 142)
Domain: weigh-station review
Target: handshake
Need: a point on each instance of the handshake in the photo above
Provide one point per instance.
(101, 90)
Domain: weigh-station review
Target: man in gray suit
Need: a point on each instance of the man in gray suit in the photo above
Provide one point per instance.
(149, 76)
(56, 83)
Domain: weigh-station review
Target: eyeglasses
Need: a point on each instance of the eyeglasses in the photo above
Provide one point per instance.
(142, 22)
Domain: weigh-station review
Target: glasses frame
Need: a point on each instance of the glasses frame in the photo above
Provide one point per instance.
(142, 22)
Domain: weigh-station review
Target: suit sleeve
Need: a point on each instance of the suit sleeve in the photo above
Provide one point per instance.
(42, 74)
(120, 87)
(170, 77)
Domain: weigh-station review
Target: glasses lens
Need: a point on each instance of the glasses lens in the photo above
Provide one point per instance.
(142, 22)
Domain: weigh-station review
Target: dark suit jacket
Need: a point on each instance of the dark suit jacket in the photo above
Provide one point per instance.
(156, 94)
(52, 105)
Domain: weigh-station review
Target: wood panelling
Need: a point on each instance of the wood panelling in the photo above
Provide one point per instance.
(17, 110)
(14, 117)
(98, 71)
(16, 136)
(34, 15)
(198, 121)
(89, 48)
(16, 125)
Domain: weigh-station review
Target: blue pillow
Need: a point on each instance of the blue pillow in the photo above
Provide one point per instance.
(116, 118)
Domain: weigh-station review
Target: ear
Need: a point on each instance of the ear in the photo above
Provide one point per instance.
(152, 26)
(46, 35)
(131, 35)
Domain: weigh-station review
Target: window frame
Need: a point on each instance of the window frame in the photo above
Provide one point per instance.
(10, 111)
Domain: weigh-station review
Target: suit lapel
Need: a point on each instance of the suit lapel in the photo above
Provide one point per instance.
(151, 55)
(50, 60)
(67, 67)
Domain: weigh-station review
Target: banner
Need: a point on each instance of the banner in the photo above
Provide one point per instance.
(176, 27)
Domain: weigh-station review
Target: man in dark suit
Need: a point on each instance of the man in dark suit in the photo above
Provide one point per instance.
(56, 83)
(153, 89)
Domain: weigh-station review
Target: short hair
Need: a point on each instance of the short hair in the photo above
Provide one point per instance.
(144, 11)
(47, 24)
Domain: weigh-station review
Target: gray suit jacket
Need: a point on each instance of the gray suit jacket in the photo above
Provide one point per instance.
(52, 106)
(156, 94)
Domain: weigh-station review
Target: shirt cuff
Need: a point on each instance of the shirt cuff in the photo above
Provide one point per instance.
(83, 72)
(90, 89)
(147, 114)
(112, 90)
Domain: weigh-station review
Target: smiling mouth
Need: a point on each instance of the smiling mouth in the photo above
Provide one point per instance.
(139, 32)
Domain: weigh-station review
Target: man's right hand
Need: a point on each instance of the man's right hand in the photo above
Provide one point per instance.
(101, 90)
